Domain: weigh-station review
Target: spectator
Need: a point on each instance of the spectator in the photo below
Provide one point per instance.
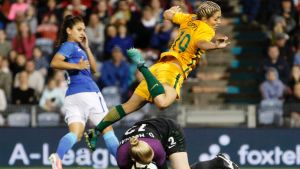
(5, 46)
(18, 7)
(36, 80)
(12, 56)
(3, 105)
(292, 107)
(288, 11)
(23, 94)
(271, 107)
(250, 10)
(5, 7)
(162, 35)
(102, 12)
(115, 72)
(111, 33)
(122, 15)
(52, 8)
(133, 5)
(157, 10)
(5, 78)
(66, 13)
(285, 47)
(95, 33)
(297, 4)
(52, 99)
(47, 33)
(77, 8)
(24, 41)
(278, 25)
(123, 40)
(144, 28)
(40, 61)
(48, 28)
(31, 18)
(295, 77)
(274, 61)
(297, 56)
(184, 5)
(272, 87)
(12, 27)
(61, 82)
(18, 65)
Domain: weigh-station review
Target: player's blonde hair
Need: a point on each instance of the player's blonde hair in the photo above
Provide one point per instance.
(140, 151)
(207, 9)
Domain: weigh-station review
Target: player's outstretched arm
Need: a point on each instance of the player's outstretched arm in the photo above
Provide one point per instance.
(220, 43)
(169, 13)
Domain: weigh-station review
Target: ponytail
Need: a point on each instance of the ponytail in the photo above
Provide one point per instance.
(141, 151)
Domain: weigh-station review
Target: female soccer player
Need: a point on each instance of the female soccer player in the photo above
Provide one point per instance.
(155, 141)
(163, 82)
(83, 99)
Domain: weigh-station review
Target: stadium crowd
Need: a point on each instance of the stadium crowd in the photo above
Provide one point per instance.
(29, 30)
(278, 73)
(28, 34)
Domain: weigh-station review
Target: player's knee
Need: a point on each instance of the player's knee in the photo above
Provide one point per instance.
(162, 104)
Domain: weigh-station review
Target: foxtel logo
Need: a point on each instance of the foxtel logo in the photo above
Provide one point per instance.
(274, 156)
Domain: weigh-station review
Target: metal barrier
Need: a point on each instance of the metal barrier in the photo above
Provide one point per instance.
(190, 116)
(218, 116)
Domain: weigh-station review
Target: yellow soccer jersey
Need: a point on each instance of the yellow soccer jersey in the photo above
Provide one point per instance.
(184, 48)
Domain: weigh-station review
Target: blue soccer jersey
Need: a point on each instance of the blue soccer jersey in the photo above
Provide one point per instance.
(79, 80)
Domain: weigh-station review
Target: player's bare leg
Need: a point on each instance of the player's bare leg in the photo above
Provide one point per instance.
(115, 114)
(165, 100)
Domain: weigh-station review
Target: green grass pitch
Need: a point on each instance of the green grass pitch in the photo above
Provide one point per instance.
(108, 168)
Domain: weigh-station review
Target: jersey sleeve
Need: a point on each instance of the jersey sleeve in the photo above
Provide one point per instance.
(205, 35)
(66, 49)
(179, 17)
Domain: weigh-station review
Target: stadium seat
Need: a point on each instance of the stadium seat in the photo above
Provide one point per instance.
(215, 116)
(18, 119)
(48, 119)
(270, 111)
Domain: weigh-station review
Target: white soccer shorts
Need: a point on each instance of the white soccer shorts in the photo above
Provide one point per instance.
(85, 106)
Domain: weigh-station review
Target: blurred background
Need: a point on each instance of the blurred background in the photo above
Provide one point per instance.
(243, 100)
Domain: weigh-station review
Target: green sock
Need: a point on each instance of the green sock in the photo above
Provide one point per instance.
(155, 88)
(114, 115)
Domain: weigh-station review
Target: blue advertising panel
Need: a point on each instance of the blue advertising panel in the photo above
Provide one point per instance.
(247, 147)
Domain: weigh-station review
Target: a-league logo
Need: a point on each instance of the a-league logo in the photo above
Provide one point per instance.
(215, 148)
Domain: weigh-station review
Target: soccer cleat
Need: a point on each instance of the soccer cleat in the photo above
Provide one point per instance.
(55, 161)
(228, 164)
(136, 56)
(91, 138)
